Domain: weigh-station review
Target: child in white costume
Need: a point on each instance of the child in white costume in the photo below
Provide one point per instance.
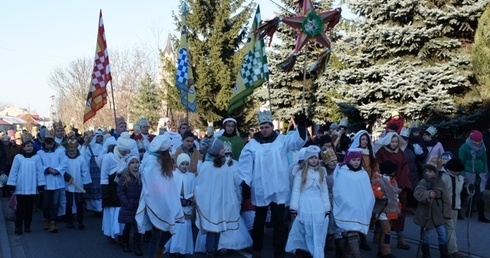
(183, 241)
(353, 200)
(310, 202)
(217, 205)
(77, 172)
(159, 208)
(231, 239)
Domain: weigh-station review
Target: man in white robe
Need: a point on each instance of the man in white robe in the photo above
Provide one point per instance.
(263, 165)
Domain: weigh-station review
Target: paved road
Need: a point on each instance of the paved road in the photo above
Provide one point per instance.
(91, 243)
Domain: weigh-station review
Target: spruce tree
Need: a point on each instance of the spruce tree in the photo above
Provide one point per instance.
(147, 103)
(286, 89)
(409, 56)
(480, 56)
(216, 30)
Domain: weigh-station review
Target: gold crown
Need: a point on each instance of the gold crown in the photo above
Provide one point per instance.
(227, 146)
(328, 155)
(265, 116)
(58, 124)
(49, 134)
(71, 145)
(26, 137)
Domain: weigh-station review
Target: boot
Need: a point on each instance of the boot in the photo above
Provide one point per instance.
(147, 237)
(353, 243)
(401, 244)
(384, 249)
(159, 252)
(376, 236)
(444, 253)
(46, 224)
(425, 251)
(481, 211)
(52, 227)
(364, 245)
(137, 244)
(339, 247)
(330, 243)
(125, 243)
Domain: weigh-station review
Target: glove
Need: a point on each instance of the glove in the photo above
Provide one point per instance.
(417, 149)
(67, 177)
(300, 119)
(40, 188)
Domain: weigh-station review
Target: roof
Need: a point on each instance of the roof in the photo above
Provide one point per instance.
(29, 119)
(13, 120)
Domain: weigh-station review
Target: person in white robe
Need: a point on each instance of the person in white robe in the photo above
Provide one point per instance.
(159, 208)
(121, 127)
(353, 200)
(217, 204)
(311, 205)
(263, 165)
(91, 153)
(112, 166)
(182, 242)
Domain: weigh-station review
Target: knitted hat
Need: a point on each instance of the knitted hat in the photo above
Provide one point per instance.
(352, 153)
(124, 142)
(160, 143)
(130, 158)
(387, 167)
(476, 136)
(301, 154)
(215, 147)
(455, 164)
(42, 132)
(183, 157)
(447, 155)
(311, 151)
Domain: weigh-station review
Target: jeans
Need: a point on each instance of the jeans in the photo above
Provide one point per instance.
(78, 203)
(278, 223)
(441, 235)
(212, 240)
(158, 238)
(51, 204)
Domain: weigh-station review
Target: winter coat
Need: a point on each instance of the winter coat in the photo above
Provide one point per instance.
(129, 196)
(440, 206)
(109, 193)
(479, 165)
(386, 193)
(455, 187)
(402, 174)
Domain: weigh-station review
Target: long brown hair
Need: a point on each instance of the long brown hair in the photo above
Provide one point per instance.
(166, 164)
(304, 172)
(126, 175)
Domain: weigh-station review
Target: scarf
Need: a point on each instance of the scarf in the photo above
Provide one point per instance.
(475, 149)
(432, 142)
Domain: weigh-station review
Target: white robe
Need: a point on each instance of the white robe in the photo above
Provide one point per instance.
(217, 205)
(183, 240)
(264, 167)
(159, 204)
(353, 199)
(309, 229)
(54, 160)
(26, 174)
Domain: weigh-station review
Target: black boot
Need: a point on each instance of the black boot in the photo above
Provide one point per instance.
(137, 244)
(364, 245)
(147, 237)
(339, 247)
(125, 243)
(425, 251)
(481, 211)
(443, 251)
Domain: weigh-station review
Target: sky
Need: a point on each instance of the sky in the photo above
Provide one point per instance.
(37, 37)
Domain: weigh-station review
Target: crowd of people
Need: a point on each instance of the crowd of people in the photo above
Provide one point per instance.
(180, 194)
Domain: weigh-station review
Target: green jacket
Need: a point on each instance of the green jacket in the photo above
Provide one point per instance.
(236, 145)
(480, 164)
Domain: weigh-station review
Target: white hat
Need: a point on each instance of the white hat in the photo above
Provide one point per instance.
(128, 160)
(124, 142)
(334, 126)
(143, 121)
(343, 122)
(301, 153)
(160, 143)
(229, 119)
(183, 157)
(311, 151)
(265, 117)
